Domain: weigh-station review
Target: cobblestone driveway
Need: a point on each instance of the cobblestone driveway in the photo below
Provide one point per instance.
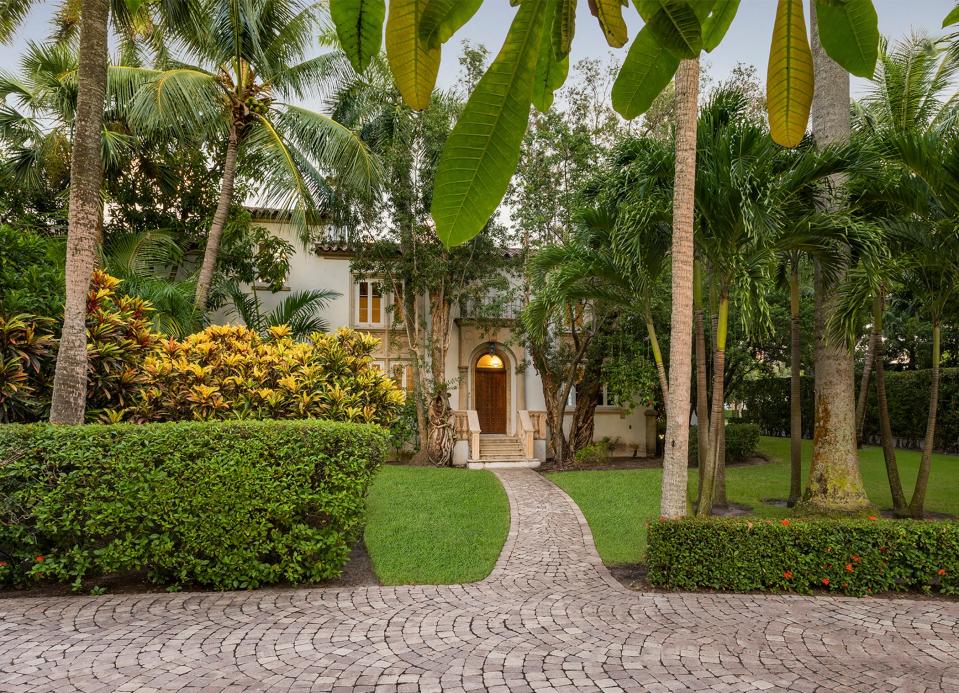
(550, 617)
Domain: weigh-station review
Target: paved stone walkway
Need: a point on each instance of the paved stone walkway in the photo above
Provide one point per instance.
(549, 617)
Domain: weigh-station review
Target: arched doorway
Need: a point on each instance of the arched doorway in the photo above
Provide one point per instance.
(489, 387)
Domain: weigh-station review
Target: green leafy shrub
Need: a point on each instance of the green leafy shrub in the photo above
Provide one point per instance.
(226, 505)
(855, 557)
(31, 278)
(767, 405)
(229, 371)
(741, 442)
(596, 452)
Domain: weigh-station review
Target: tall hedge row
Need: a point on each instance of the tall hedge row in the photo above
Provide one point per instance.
(225, 505)
(767, 404)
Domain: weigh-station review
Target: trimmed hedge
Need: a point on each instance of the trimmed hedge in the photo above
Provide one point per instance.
(225, 505)
(855, 557)
(741, 442)
(767, 405)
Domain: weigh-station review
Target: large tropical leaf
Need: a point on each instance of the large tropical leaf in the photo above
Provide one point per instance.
(550, 71)
(185, 100)
(645, 72)
(675, 24)
(414, 63)
(717, 24)
(359, 26)
(482, 151)
(610, 16)
(443, 18)
(849, 32)
(564, 26)
(951, 18)
(789, 80)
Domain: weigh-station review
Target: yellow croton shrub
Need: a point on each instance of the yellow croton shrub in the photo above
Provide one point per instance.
(229, 371)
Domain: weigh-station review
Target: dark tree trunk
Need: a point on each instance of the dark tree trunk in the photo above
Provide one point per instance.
(795, 390)
(917, 505)
(86, 173)
(885, 431)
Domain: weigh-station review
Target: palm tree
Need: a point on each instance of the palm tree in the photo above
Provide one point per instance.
(675, 461)
(909, 109)
(835, 482)
(300, 311)
(70, 380)
(246, 61)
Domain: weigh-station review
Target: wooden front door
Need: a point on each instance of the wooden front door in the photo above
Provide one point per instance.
(491, 400)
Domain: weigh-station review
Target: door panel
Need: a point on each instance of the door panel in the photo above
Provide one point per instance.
(491, 400)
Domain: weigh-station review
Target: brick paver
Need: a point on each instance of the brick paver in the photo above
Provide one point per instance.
(549, 617)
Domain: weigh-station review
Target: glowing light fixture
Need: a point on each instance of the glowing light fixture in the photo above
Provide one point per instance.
(490, 360)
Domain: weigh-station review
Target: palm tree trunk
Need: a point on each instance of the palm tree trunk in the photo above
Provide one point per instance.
(885, 425)
(212, 250)
(658, 358)
(70, 380)
(835, 483)
(716, 418)
(916, 506)
(795, 389)
(864, 385)
(675, 460)
(702, 394)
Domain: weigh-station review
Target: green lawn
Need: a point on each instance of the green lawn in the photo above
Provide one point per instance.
(435, 526)
(617, 504)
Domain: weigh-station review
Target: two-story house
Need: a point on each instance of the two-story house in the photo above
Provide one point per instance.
(497, 395)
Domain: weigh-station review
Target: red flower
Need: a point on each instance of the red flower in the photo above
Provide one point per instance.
(855, 557)
(872, 518)
(825, 581)
(849, 567)
(941, 571)
(785, 523)
(39, 559)
(788, 575)
(3, 564)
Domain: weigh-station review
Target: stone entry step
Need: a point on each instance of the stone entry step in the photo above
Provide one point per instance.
(501, 452)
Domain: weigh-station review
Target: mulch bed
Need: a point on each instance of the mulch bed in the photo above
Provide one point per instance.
(358, 572)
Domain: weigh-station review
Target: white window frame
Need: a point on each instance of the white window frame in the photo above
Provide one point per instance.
(356, 304)
(406, 374)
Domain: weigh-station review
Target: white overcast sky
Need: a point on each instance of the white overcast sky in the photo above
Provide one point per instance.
(747, 40)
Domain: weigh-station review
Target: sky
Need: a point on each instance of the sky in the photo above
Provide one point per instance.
(747, 40)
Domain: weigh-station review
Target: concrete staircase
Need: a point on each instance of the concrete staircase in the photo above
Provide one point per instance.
(502, 452)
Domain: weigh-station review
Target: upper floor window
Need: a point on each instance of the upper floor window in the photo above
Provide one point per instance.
(369, 303)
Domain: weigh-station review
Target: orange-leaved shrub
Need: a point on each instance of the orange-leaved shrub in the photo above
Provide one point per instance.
(230, 372)
(119, 338)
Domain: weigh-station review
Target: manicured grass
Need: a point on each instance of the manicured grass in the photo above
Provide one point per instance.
(435, 526)
(617, 504)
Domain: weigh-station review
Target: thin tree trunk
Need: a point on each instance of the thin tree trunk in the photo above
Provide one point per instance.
(675, 455)
(835, 483)
(439, 447)
(702, 394)
(864, 385)
(716, 418)
(212, 250)
(916, 506)
(70, 380)
(658, 358)
(795, 389)
(885, 425)
(587, 393)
